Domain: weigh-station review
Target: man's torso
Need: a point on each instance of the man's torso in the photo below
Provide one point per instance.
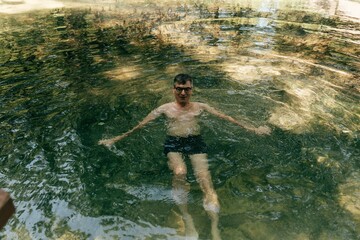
(182, 122)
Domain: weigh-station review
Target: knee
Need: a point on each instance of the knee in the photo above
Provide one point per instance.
(203, 176)
(180, 171)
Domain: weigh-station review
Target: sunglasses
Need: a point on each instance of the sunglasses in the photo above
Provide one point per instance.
(179, 89)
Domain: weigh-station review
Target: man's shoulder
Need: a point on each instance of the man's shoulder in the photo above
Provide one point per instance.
(200, 105)
(165, 106)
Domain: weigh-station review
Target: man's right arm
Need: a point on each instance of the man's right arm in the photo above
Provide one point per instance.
(150, 117)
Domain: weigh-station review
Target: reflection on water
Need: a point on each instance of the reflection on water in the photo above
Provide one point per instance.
(70, 77)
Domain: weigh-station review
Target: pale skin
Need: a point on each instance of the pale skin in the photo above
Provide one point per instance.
(183, 116)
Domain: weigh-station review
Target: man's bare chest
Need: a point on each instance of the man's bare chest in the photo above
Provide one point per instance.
(183, 115)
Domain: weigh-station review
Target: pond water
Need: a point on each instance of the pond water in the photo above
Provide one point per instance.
(72, 76)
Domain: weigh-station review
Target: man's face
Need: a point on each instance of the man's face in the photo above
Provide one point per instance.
(182, 92)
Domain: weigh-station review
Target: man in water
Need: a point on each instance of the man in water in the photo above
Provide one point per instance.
(184, 139)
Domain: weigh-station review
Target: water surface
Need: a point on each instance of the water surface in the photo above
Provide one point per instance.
(72, 76)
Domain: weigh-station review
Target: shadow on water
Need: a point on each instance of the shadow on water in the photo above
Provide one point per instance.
(70, 77)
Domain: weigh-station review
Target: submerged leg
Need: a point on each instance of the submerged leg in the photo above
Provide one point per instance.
(181, 190)
(211, 202)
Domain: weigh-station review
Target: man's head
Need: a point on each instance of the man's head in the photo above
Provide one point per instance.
(182, 79)
(182, 88)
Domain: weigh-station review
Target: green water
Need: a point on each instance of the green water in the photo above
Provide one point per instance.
(70, 77)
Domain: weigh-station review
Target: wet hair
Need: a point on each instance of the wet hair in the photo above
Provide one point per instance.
(182, 79)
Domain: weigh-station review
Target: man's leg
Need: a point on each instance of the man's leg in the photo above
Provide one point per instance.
(181, 190)
(211, 203)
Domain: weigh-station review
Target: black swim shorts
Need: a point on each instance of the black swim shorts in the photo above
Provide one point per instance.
(187, 145)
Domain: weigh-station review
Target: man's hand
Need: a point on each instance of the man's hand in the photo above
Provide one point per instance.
(106, 142)
(111, 141)
(7, 208)
(263, 130)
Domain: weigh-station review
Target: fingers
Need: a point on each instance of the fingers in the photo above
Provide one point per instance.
(263, 130)
(105, 142)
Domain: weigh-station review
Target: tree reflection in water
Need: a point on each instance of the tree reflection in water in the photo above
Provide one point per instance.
(72, 76)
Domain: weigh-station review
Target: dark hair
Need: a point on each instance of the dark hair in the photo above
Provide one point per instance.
(182, 78)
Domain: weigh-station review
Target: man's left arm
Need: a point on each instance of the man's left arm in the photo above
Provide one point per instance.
(258, 130)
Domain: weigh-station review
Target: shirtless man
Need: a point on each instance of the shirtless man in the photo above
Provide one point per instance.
(184, 139)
